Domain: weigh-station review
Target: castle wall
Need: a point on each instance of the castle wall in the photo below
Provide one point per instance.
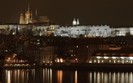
(70, 31)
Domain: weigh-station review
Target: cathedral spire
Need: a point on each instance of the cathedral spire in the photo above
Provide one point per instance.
(28, 7)
(74, 22)
(78, 22)
(36, 13)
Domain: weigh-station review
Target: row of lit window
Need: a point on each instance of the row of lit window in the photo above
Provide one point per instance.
(16, 65)
(106, 57)
(111, 61)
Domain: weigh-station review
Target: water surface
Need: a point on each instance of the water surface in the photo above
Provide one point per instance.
(64, 76)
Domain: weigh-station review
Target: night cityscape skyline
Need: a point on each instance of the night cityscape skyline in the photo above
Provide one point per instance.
(66, 41)
(91, 12)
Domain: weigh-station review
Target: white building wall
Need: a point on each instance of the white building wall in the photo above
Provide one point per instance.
(69, 31)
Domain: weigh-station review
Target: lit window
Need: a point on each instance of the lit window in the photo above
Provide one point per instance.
(130, 57)
(98, 57)
(61, 60)
(122, 57)
(94, 61)
(114, 57)
(106, 57)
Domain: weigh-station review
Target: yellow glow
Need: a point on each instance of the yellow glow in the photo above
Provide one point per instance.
(90, 61)
(59, 76)
(9, 58)
(57, 60)
(76, 77)
(98, 57)
(122, 57)
(114, 57)
(61, 60)
(106, 57)
(76, 59)
(8, 76)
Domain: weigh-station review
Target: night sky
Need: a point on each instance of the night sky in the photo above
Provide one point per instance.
(91, 12)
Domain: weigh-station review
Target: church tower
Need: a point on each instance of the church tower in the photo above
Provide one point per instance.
(22, 19)
(74, 22)
(27, 17)
(78, 22)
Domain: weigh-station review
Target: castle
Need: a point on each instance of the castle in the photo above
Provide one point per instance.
(29, 17)
(42, 26)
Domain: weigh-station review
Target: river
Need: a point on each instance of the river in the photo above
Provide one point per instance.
(63, 76)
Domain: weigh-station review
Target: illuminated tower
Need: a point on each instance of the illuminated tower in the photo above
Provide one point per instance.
(28, 16)
(78, 22)
(74, 22)
(22, 19)
(36, 13)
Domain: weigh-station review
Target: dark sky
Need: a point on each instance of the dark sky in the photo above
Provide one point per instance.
(94, 12)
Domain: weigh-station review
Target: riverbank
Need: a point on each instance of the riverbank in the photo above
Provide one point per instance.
(96, 67)
(91, 67)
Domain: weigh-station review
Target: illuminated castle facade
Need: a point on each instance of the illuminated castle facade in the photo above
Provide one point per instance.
(29, 17)
(26, 18)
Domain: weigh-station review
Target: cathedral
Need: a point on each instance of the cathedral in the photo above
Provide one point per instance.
(28, 18)
(75, 22)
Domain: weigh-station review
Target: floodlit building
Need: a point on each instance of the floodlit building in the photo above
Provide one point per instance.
(47, 55)
(26, 18)
(29, 17)
(113, 56)
(66, 31)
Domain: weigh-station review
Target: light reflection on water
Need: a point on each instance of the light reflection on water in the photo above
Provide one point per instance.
(64, 76)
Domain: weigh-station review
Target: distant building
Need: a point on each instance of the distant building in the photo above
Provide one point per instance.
(29, 17)
(46, 29)
(75, 22)
(47, 55)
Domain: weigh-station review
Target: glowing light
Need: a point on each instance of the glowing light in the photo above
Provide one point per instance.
(109, 60)
(57, 60)
(59, 76)
(98, 57)
(13, 33)
(94, 61)
(106, 57)
(90, 61)
(61, 60)
(9, 58)
(122, 57)
(8, 76)
(114, 57)
(130, 57)
(76, 59)
(76, 77)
